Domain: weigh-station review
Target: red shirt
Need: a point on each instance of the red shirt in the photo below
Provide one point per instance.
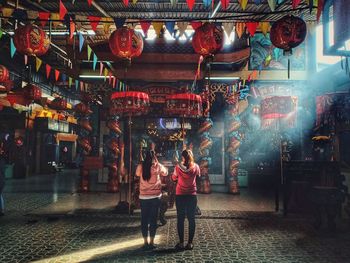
(186, 179)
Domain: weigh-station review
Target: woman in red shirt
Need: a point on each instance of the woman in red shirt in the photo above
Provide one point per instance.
(185, 173)
(150, 193)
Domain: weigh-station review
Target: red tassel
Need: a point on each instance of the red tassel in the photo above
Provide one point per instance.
(190, 4)
(224, 4)
(44, 16)
(63, 11)
(94, 20)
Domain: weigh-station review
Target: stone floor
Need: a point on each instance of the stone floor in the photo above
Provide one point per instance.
(47, 221)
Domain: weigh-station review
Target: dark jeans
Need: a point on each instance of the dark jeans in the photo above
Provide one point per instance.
(186, 206)
(149, 215)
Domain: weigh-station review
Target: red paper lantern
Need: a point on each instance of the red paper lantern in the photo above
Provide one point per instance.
(32, 92)
(208, 39)
(58, 104)
(31, 40)
(126, 43)
(288, 32)
(129, 103)
(185, 104)
(4, 74)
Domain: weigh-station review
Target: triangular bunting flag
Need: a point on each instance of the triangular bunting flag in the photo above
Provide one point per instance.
(196, 24)
(107, 23)
(207, 3)
(257, 2)
(89, 2)
(64, 78)
(32, 15)
(81, 41)
(94, 61)
(7, 13)
(89, 50)
(57, 74)
(119, 22)
(25, 59)
(1, 33)
(94, 20)
(295, 3)
(320, 7)
(48, 70)
(173, 2)
(228, 27)
(76, 84)
(12, 48)
(44, 17)
(264, 27)
(38, 63)
(101, 68)
(272, 4)
(70, 80)
(81, 86)
(114, 81)
(243, 3)
(252, 26)
(55, 17)
(71, 28)
(224, 4)
(109, 78)
(182, 26)
(134, 1)
(158, 26)
(240, 29)
(170, 26)
(63, 11)
(126, 2)
(105, 73)
(190, 4)
(145, 26)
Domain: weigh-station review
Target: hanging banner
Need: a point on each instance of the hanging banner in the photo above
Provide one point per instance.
(190, 4)
(170, 26)
(71, 28)
(76, 84)
(319, 10)
(32, 15)
(228, 27)
(173, 2)
(55, 18)
(70, 80)
(94, 21)
(272, 4)
(57, 74)
(48, 70)
(107, 23)
(44, 17)
(12, 48)
(251, 27)
(126, 2)
(1, 33)
(295, 3)
(105, 73)
(207, 3)
(182, 26)
(119, 22)
(7, 12)
(81, 41)
(94, 62)
(264, 27)
(145, 26)
(158, 26)
(25, 59)
(89, 2)
(243, 3)
(38, 63)
(63, 11)
(240, 29)
(101, 68)
(89, 50)
(196, 24)
(224, 4)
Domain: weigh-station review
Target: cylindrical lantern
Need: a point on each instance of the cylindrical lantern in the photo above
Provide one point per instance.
(32, 92)
(208, 39)
(4, 74)
(288, 32)
(31, 40)
(131, 103)
(184, 104)
(126, 43)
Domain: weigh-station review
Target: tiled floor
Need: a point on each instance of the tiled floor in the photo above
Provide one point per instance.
(47, 221)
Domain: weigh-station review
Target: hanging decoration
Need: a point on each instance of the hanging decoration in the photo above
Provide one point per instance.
(48, 70)
(170, 26)
(264, 27)
(295, 3)
(62, 10)
(4, 74)
(126, 43)
(32, 92)
(224, 4)
(182, 26)
(43, 17)
(31, 40)
(12, 48)
(184, 104)
(251, 27)
(272, 4)
(240, 29)
(243, 3)
(94, 21)
(190, 4)
(58, 104)
(208, 39)
(129, 102)
(158, 27)
(145, 26)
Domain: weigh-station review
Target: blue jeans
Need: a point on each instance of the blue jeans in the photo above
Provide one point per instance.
(149, 215)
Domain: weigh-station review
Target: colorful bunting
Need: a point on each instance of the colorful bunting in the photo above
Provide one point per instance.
(55, 17)
(89, 2)
(224, 4)
(70, 80)
(71, 28)
(101, 68)
(32, 15)
(57, 74)
(48, 70)
(264, 27)
(170, 26)
(89, 50)
(196, 24)
(94, 61)
(190, 4)
(228, 27)
(64, 78)
(105, 73)
(12, 48)
(243, 3)
(272, 4)
(182, 26)
(252, 26)
(1, 33)
(295, 3)
(126, 2)
(44, 17)
(207, 3)
(63, 11)
(76, 84)
(240, 29)
(134, 1)
(320, 7)
(114, 81)
(25, 59)
(109, 78)
(257, 2)
(7, 12)
(38, 63)
(81, 41)
(81, 86)
(119, 22)
(94, 21)
(107, 23)
(173, 2)
(145, 26)
(158, 26)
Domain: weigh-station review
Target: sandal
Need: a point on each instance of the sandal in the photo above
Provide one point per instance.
(179, 246)
(189, 246)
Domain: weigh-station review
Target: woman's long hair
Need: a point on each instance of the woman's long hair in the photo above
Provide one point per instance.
(146, 166)
(188, 156)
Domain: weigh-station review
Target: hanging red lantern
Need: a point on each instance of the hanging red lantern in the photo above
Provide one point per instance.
(58, 104)
(288, 32)
(126, 43)
(208, 39)
(4, 74)
(32, 92)
(31, 40)
(184, 104)
(129, 103)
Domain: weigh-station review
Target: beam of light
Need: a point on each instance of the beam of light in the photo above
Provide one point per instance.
(215, 10)
(95, 253)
